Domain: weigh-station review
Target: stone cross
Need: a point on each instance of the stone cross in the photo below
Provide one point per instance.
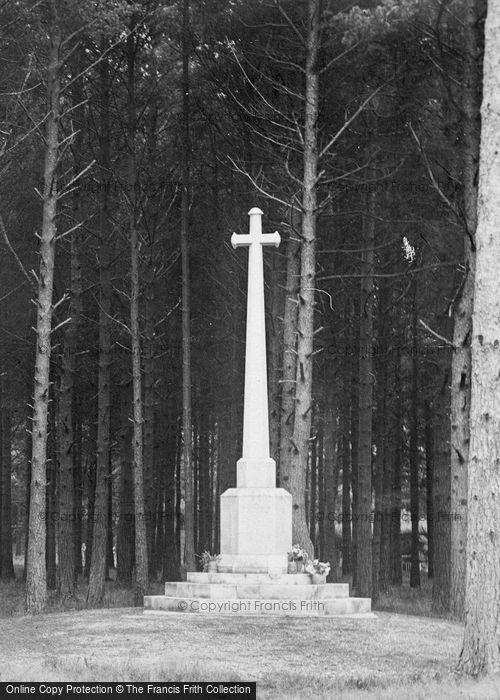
(255, 412)
(255, 517)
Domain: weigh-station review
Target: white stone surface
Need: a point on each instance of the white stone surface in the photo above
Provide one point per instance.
(250, 606)
(255, 408)
(256, 530)
(249, 578)
(274, 591)
(256, 473)
(256, 517)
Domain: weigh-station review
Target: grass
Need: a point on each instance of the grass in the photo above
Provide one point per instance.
(408, 601)
(285, 685)
(390, 657)
(410, 655)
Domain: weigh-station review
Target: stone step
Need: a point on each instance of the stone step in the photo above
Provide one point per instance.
(288, 579)
(257, 591)
(251, 606)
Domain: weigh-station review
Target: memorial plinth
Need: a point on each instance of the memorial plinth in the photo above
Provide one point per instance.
(256, 517)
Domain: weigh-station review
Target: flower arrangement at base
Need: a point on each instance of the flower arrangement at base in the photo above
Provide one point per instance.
(208, 561)
(296, 559)
(318, 569)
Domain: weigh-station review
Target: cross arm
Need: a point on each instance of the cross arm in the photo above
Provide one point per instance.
(238, 239)
(271, 239)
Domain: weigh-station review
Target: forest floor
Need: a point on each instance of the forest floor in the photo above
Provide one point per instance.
(389, 657)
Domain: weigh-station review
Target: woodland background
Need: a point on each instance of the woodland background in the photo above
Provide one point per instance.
(135, 138)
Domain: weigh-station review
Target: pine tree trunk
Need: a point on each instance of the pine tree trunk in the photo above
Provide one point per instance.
(196, 464)
(78, 487)
(141, 546)
(66, 567)
(305, 313)
(364, 530)
(331, 486)
(322, 494)
(397, 457)
(99, 521)
(274, 332)
(441, 493)
(89, 529)
(110, 555)
(65, 423)
(170, 553)
(204, 479)
(313, 494)
(36, 577)
(125, 535)
(380, 476)
(287, 411)
(461, 360)
(414, 453)
(51, 501)
(481, 646)
(6, 561)
(149, 423)
(189, 561)
(429, 481)
(27, 454)
(354, 421)
(346, 488)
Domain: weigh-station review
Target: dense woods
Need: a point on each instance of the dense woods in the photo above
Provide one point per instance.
(135, 138)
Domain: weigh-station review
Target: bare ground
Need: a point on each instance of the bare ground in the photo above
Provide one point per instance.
(314, 656)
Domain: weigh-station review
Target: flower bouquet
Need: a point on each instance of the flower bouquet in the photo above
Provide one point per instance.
(319, 570)
(296, 559)
(208, 561)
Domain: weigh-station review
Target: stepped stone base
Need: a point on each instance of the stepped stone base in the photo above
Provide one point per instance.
(257, 594)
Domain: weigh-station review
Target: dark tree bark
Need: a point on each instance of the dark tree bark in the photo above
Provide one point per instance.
(396, 456)
(125, 533)
(313, 494)
(380, 471)
(441, 493)
(306, 301)
(171, 549)
(6, 560)
(354, 419)
(149, 420)
(429, 481)
(66, 402)
(189, 561)
(51, 503)
(141, 547)
(36, 576)
(331, 485)
(78, 491)
(364, 531)
(287, 411)
(414, 453)
(97, 572)
(322, 494)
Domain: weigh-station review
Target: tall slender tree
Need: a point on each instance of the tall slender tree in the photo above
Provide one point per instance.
(364, 475)
(187, 436)
(36, 582)
(481, 645)
(461, 360)
(97, 574)
(305, 311)
(141, 549)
